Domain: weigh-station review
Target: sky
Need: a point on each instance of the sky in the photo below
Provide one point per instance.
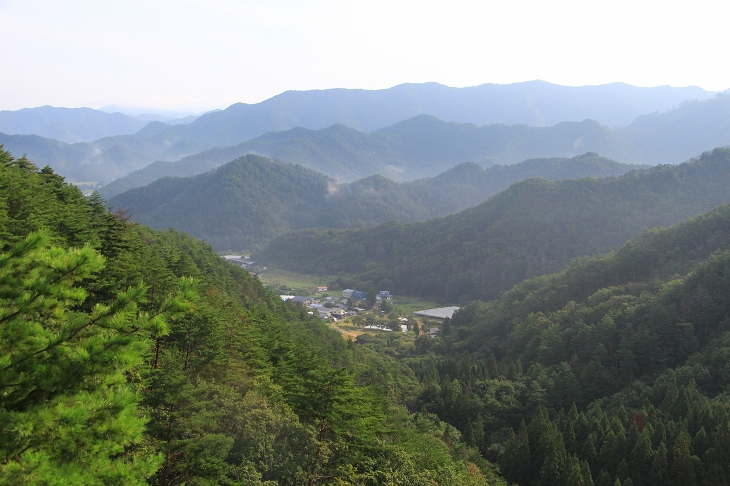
(190, 56)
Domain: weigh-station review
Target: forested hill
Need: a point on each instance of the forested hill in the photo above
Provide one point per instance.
(614, 371)
(534, 227)
(133, 356)
(253, 199)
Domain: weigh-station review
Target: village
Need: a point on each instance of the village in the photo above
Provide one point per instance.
(355, 312)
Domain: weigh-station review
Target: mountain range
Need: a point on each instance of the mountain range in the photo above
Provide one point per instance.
(535, 104)
(73, 125)
(424, 146)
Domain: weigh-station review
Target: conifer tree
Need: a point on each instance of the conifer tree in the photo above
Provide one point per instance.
(515, 460)
(682, 470)
(660, 467)
(67, 414)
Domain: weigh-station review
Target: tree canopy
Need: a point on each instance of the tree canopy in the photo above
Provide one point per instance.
(132, 356)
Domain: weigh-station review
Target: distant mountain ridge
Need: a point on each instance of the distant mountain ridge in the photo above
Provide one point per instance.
(68, 125)
(424, 146)
(534, 103)
(249, 201)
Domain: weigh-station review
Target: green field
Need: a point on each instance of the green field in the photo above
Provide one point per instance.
(299, 283)
(412, 304)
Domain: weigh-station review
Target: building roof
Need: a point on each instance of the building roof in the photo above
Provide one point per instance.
(438, 312)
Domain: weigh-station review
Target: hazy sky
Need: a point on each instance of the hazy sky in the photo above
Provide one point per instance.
(198, 55)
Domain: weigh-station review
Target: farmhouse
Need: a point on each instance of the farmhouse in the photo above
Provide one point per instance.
(357, 295)
(240, 261)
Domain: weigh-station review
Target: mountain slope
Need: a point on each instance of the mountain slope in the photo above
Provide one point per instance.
(613, 362)
(253, 199)
(532, 228)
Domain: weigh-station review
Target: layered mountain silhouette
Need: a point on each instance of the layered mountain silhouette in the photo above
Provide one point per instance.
(534, 104)
(249, 201)
(534, 227)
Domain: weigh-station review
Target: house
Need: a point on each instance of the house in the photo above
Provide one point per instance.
(434, 331)
(320, 288)
(305, 301)
(383, 295)
(347, 293)
(337, 312)
(240, 261)
(357, 295)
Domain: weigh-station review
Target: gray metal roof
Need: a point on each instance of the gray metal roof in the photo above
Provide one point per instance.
(438, 312)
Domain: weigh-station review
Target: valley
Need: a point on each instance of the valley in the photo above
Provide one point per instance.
(359, 287)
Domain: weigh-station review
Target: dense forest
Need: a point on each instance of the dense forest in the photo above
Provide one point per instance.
(253, 199)
(133, 356)
(613, 371)
(535, 227)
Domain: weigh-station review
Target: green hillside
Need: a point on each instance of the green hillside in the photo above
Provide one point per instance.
(534, 227)
(252, 199)
(612, 371)
(133, 356)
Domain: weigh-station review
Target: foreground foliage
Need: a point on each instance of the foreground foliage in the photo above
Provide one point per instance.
(129, 355)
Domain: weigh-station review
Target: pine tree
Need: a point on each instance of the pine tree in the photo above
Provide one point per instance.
(641, 459)
(553, 468)
(682, 470)
(660, 467)
(585, 469)
(574, 475)
(515, 460)
(604, 479)
(588, 452)
(67, 414)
